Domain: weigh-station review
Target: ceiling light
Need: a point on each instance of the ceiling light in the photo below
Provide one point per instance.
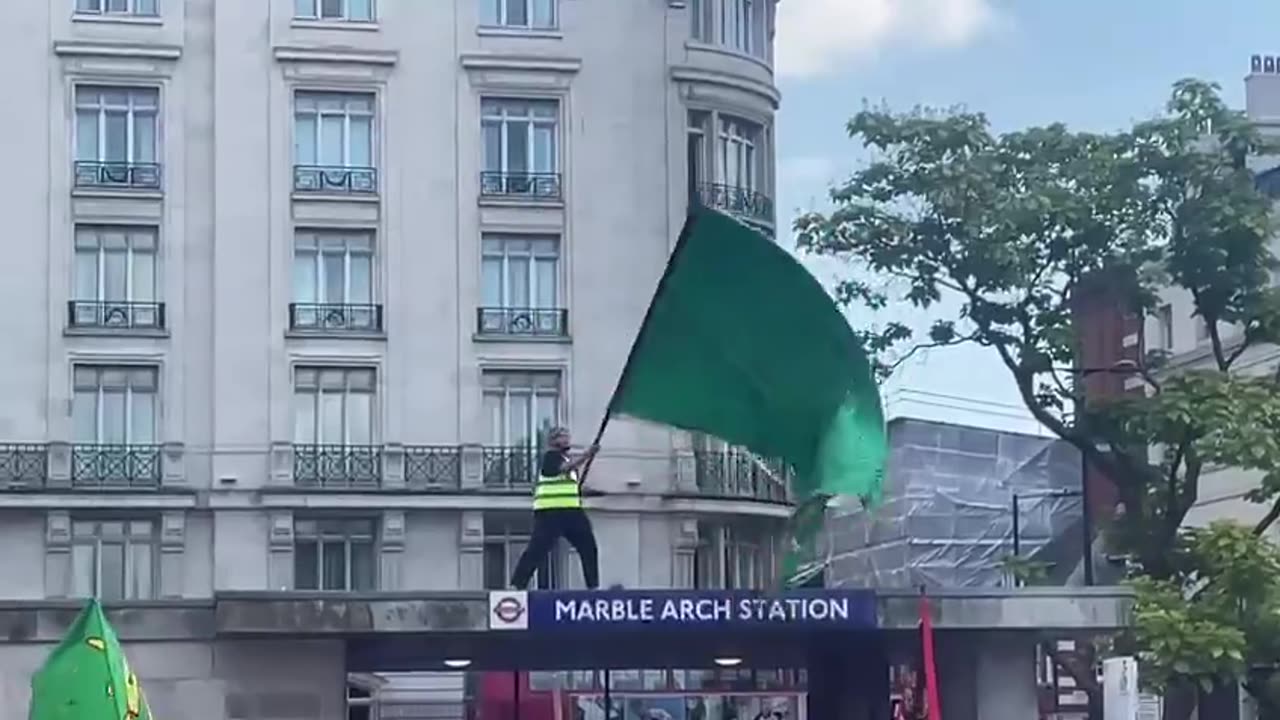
(728, 661)
(457, 663)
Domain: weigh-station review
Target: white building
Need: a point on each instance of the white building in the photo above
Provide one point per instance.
(312, 275)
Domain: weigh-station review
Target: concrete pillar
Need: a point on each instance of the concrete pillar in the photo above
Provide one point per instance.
(1006, 677)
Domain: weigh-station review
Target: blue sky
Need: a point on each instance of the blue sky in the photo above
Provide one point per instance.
(1094, 64)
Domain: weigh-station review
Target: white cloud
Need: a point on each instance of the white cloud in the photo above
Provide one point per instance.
(815, 36)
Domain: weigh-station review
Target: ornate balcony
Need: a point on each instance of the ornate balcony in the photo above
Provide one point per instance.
(522, 322)
(23, 466)
(331, 180)
(736, 473)
(331, 318)
(116, 467)
(534, 186)
(337, 467)
(115, 315)
(507, 468)
(117, 175)
(432, 467)
(744, 203)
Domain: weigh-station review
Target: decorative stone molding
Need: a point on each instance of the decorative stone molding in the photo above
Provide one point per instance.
(173, 545)
(472, 459)
(59, 465)
(57, 554)
(393, 466)
(685, 471)
(173, 464)
(471, 550)
(281, 474)
(391, 551)
(57, 530)
(280, 550)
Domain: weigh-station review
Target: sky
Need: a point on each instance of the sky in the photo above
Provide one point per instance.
(1093, 64)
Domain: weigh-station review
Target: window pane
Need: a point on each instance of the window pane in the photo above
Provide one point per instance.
(304, 424)
(544, 13)
(493, 410)
(114, 419)
(117, 6)
(142, 570)
(304, 8)
(86, 275)
(87, 135)
(518, 282)
(361, 279)
(305, 563)
(88, 5)
(142, 426)
(548, 412)
(83, 570)
(304, 278)
(517, 146)
(360, 418)
(545, 291)
(84, 417)
(334, 278)
(304, 139)
(334, 565)
(145, 7)
(116, 137)
(518, 421)
(492, 131)
(331, 8)
(516, 13)
(331, 140)
(111, 556)
(144, 137)
(360, 10)
(544, 149)
(331, 418)
(363, 566)
(489, 11)
(491, 282)
(495, 566)
(115, 270)
(361, 142)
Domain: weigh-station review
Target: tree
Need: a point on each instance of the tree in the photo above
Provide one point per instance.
(1016, 230)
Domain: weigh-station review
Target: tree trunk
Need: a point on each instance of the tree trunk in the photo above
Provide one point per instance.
(1180, 701)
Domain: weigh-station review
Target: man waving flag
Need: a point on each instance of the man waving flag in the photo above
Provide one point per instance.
(742, 343)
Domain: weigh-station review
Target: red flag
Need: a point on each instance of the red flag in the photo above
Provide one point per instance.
(931, 703)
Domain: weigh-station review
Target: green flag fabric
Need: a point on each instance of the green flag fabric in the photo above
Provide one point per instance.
(742, 343)
(86, 677)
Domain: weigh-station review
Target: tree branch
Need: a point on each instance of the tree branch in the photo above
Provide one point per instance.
(1267, 520)
(925, 346)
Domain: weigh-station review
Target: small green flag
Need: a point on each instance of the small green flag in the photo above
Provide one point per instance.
(742, 343)
(87, 677)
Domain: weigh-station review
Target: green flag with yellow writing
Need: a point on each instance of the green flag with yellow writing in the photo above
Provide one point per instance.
(86, 677)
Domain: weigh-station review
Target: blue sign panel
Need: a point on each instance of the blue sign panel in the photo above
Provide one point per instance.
(820, 609)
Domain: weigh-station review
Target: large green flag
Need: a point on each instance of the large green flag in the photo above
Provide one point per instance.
(87, 677)
(742, 343)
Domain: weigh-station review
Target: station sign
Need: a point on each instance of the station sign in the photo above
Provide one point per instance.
(600, 609)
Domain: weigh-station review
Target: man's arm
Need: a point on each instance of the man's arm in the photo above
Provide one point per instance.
(583, 459)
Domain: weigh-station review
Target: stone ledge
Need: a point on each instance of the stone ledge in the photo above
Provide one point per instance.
(1100, 609)
(322, 614)
(47, 620)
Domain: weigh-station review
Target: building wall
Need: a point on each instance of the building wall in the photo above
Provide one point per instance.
(224, 496)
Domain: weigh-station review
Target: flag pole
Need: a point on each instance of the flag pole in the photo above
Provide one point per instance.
(681, 241)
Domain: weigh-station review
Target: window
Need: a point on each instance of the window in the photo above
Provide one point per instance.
(736, 155)
(116, 136)
(144, 8)
(735, 557)
(521, 153)
(114, 559)
(742, 25)
(335, 554)
(334, 406)
(520, 291)
(115, 277)
(342, 10)
(506, 537)
(521, 407)
(700, 19)
(536, 14)
(115, 405)
(1164, 327)
(333, 281)
(696, 149)
(333, 137)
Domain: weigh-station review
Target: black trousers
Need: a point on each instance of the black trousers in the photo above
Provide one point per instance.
(550, 525)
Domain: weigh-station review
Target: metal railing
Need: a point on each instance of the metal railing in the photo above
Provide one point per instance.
(118, 175)
(522, 322)
(539, 186)
(335, 317)
(337, 467)
(432, 467)
(510, 467)
(23, 466)
(737, 473)
(337, 180)
(115, 315)
(112, 467)
(743, 202)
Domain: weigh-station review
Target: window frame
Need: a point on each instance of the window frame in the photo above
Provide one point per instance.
(95, 541)
(103, 9)
(132, 110)
(746, 139)
(489, 387)
(503, 119)
(317, 14)
(347, 96)
(494, 15)
(100, 254)
(505, 255)
(322, 538)
(318, 253)
(99, 394)
(744, 27)
(317, 395)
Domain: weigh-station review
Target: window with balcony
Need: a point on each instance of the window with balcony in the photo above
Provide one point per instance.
(114, 559)
(114, 412)
(334, 439)
(527, 14)
(736, 556)
(520, 287)
(116, 141)
(333, 282)
(127, 8)
(333, 143)
(520, 407)
(505, 538)
(115, 279)
(727, 165)
(745, 26)
(334, 10)
(521, 141)
(335, 554)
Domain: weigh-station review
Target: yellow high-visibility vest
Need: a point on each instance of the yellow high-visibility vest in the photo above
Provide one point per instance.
(557, 492)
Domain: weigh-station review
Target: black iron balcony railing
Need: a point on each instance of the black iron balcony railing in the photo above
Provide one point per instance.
(335, 318)
(510, 467)
(117, 175)
(537, 186)
(115, 467)
(736, 473)
(522, 322)
(432, 467)
(115, 315)
(743, 202)
(335, 180)
(337, 467)
(23, 466)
